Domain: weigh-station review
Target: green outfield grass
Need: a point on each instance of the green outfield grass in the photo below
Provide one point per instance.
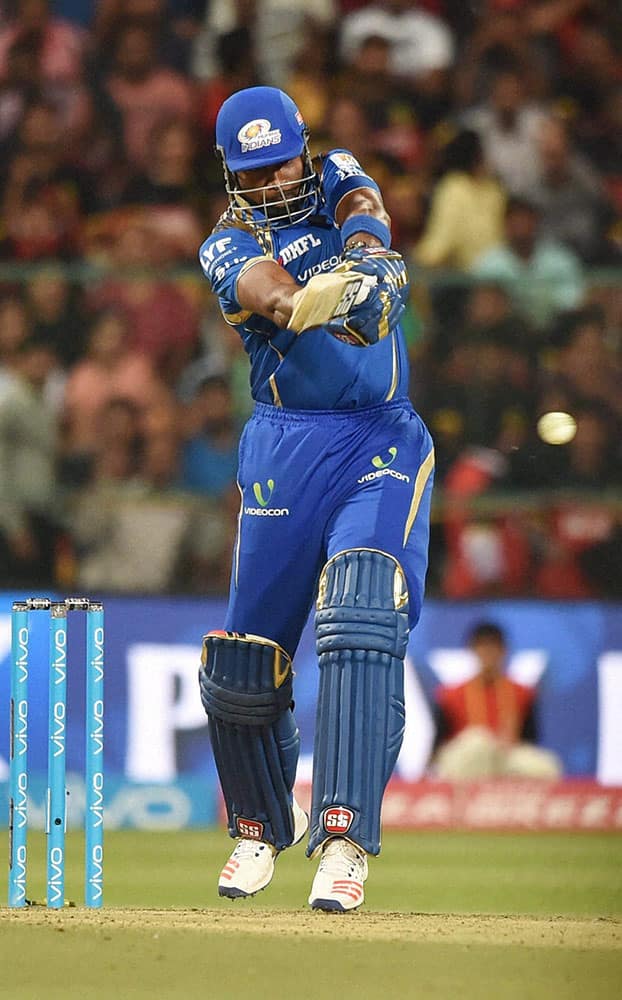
(447, 915)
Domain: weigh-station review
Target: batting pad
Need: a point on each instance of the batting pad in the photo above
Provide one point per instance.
(362, 632)
(246, 690)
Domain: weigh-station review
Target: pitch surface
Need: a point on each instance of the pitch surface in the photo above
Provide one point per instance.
(522, 917)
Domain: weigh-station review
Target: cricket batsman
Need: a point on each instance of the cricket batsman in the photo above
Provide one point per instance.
(335, 477)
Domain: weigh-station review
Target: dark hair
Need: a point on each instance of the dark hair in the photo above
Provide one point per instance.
(464, 152)
(26, 43)
(35, 342)
(516, 203)
(486, 630)
(567, 323)
(214, 381)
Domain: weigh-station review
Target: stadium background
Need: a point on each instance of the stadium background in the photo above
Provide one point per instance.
(108, 185)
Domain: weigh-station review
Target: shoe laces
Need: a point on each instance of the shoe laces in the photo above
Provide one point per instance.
(343, 859)
(246, 849)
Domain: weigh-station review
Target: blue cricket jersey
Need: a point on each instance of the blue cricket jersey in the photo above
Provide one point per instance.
(312, 370)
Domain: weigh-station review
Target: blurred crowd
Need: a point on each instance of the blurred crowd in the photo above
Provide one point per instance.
(494, 128)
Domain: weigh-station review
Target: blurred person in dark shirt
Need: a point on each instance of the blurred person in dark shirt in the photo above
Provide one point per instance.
(176, 22)
(45, 195)
(570, 195)
(391, 108)
(171, 185)
(63, 45)
(54, 305)
(15, 327)
(21, 82)
(348, 126)
(582, 362)
(30, 513)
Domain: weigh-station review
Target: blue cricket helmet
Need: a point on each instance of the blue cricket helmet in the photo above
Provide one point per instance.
(262, 127)
(257, 127)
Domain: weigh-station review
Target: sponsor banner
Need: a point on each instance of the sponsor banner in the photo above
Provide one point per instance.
(155, 726)
(173, 806)
(502, 805)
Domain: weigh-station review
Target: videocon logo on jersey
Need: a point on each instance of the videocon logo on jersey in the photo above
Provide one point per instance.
(382, 465)
(263, 494)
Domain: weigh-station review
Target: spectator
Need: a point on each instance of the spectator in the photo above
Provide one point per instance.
(347, 126)
(274, 30)
(466, 213)
(30, 513)
(55, 313)
(171, 186)
(488, 553)
(309, 81)
(500, 37)
(44, 196)
(20, 84)
(210, 454)
(14, 330)
(590, 70)
(541, 274)
(583, 363)
(233, 67)
(142, 90)
(163, 318)
(63, 46)
(493, 350)
(602, 145)
(569, 194)
(420, 43)
(508, 125)
(176, 22)
(110, 370)
(486, 726)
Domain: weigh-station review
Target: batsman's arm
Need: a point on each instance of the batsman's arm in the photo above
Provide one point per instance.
(267, 289)
(365, 209)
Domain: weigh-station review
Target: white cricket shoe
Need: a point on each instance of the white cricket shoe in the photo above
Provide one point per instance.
(251, 865)
(338, 884)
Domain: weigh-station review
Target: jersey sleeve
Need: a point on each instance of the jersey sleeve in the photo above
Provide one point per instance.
(224, 257)
(341, 173)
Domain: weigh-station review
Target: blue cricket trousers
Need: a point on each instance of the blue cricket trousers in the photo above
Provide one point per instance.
(314, 483)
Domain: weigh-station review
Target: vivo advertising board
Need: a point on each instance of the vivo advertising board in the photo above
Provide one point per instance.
(159, 768)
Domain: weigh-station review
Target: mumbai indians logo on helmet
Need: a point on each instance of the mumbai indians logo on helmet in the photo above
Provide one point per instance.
(257, 134)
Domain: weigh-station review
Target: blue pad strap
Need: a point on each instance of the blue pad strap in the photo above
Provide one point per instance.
(246, 690)
(362, 634)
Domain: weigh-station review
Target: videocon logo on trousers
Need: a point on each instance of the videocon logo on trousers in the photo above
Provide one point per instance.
(378, 463)
(263, 495)
(382, 467)
(258, 491)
